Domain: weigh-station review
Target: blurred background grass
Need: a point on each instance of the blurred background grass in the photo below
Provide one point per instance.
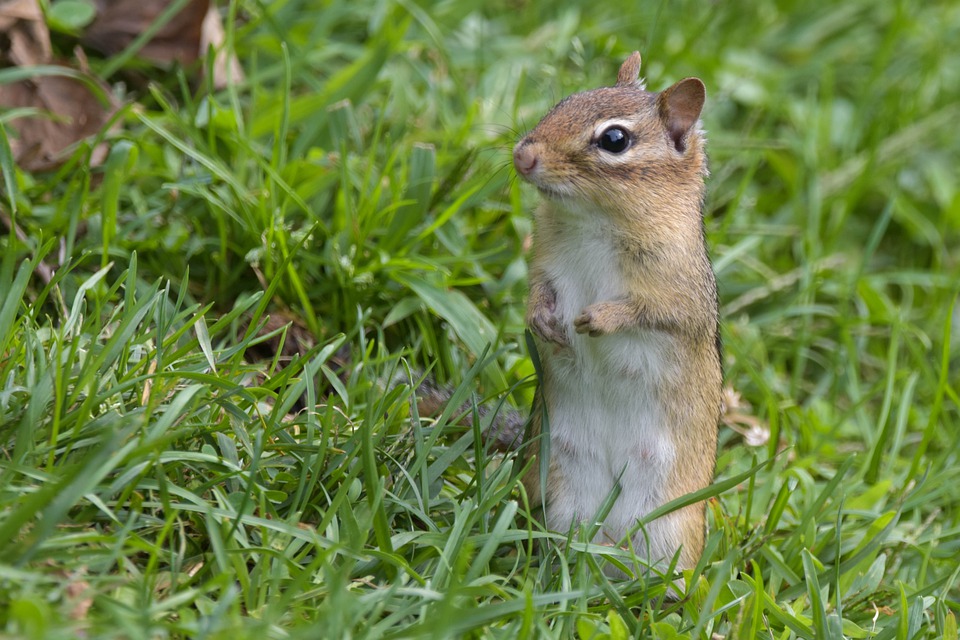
(160, 480)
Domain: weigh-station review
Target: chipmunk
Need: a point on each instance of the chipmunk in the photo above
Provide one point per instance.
(623, 307)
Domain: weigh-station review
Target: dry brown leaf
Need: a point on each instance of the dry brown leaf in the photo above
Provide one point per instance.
(23, 28)
(120, 22)
(72, 113)
(226, 68)
(296, 342)
(186, 38)
(71, 110)
(81, 596)
(736, 415)
(41, 143)
(13, 10)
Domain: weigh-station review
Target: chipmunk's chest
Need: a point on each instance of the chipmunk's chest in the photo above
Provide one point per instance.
(585, 266)
(607, 398)
(604, 396)
(585, 270)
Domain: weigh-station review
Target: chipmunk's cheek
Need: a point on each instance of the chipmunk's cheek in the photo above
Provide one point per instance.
(562, 176)
(542, 168)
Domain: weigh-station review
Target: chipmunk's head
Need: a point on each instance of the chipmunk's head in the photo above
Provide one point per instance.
(618, 142)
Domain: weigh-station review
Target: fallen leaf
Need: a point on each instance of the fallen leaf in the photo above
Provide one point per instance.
(80, 595)
(736, 415)
(120, 22)
(70, 113)
(297, 340)
(13, 10)
(226, 67)
(69, 110)
(28, 42)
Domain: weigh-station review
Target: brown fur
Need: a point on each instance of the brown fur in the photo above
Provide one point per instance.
(651, 197)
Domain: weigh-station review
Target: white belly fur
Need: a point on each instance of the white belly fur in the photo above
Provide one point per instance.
(606, 421)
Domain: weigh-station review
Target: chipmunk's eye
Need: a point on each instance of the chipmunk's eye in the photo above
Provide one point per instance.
(614, 140)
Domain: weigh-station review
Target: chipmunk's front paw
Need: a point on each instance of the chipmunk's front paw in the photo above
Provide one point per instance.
(546, 326)
(600, 319)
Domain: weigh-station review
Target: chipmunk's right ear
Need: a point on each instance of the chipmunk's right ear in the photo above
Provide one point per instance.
(680, 107)
(629, 73)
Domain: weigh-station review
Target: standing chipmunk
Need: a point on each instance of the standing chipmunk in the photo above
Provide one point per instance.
(623, 307)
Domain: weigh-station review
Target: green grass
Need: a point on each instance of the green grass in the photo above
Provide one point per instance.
(161, 477)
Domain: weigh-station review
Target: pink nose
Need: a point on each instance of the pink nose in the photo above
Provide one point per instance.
(524, 159)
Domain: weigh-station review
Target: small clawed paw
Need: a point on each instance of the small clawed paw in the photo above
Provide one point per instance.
(548, 328)
(584, 324)
(591, 321)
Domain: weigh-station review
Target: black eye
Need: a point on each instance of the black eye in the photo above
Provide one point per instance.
(614, 140)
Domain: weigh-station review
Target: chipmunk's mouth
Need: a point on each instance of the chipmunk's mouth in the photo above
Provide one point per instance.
(552, 191)
(549, 192)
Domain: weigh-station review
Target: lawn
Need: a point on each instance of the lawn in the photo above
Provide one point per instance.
(208, 340)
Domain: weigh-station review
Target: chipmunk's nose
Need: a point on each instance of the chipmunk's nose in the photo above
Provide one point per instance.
(524, 159)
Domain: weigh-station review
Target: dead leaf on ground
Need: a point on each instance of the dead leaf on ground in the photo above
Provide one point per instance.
(226, 67)
(736, 415)
(70, 110)
(295, 341)
(120, 22)
(23, 33)
(80, 595)
(184, 39)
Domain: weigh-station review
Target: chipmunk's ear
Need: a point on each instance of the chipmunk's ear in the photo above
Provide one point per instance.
(629, 71)
(679, 108)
